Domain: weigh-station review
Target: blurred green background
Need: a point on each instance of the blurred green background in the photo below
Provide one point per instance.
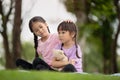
(98, 24)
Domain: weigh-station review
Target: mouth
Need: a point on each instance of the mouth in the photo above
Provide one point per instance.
(61, 40)
(40, 34)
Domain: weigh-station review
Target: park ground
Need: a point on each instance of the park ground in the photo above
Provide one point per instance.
(46, 75)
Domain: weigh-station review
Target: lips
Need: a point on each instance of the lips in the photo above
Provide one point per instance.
(40, 34)
(61, 39)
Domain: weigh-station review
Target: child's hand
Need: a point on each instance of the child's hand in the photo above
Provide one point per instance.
(72, 61)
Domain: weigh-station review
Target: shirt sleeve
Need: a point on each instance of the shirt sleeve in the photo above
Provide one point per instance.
(79, 52)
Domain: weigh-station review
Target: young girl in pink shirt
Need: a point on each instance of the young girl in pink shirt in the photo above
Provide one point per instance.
(43, 46)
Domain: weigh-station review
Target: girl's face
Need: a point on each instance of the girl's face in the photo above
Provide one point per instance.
(65, 36)
(40, 29)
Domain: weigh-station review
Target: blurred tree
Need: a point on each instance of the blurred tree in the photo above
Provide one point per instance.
(96, 28)
(16, 31)
(79, 8)
(114, 45)
(10, 56)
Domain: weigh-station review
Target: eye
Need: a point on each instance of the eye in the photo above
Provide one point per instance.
(40, 26)
(63, 32)
(58, 32)
(36, 30)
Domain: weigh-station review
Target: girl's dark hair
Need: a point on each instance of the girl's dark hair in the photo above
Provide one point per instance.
(32, 20)
(71, 27)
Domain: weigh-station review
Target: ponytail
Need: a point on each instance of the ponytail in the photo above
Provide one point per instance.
(36, 45)
(76, 49)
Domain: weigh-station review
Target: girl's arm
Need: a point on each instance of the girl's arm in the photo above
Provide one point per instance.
(58, 64)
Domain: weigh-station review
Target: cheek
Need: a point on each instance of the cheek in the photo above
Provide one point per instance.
(45, 30)
(37, 34)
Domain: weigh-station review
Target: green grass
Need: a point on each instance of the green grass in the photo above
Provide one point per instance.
(45, 75)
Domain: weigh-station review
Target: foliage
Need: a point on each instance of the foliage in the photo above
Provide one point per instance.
(105, 15)
(70, 5)
(118, 61)
(103, 9)
(28, 51)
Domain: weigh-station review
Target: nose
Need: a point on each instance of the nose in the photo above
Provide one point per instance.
(40, 30)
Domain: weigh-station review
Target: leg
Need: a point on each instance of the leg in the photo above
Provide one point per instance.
(41, 67)
(69, 68)
(39, 64)
(24, 64)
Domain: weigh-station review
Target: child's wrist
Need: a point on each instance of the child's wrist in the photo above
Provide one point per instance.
(67, 62)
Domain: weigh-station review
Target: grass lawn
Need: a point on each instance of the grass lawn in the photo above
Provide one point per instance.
(45, 75)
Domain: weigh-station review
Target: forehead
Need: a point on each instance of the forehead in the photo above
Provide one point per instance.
(62, 28)
(66, 32)
(38, 24)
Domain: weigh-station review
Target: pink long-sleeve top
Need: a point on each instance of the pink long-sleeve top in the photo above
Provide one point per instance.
(45, 48)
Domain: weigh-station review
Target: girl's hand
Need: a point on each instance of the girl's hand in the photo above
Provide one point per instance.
(72, 61)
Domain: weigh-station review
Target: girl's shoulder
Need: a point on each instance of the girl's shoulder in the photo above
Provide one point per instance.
(54, 35)
(51, 36)
(78, 45)
(58, 46)
(79, 49)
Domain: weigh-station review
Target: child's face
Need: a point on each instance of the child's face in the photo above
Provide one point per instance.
(40, 29)
(65, 36)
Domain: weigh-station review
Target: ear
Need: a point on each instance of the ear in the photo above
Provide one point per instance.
(46, 24)
(73, 34)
